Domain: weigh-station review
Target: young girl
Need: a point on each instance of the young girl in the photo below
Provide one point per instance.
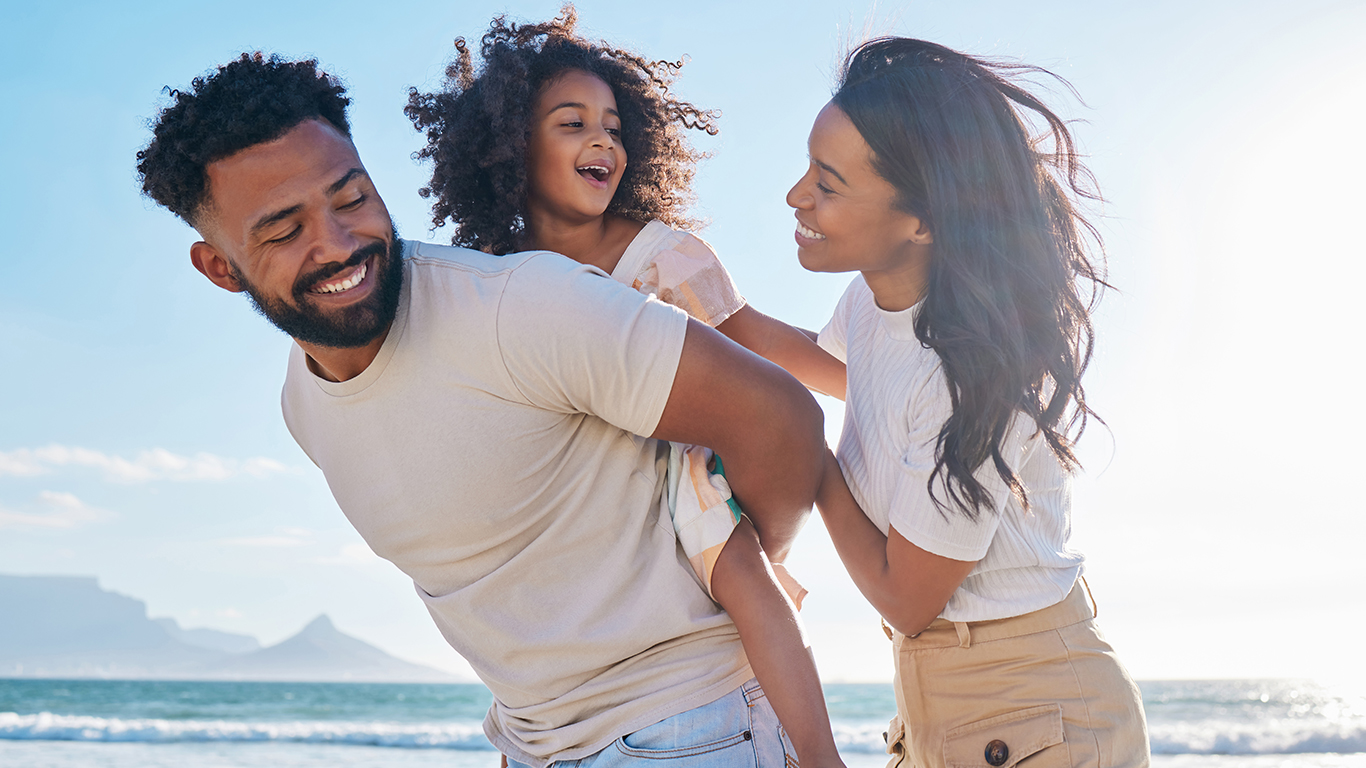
(965, 338)
(557, 144)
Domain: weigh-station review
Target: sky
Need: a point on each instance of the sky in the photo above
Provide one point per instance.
(140, 434)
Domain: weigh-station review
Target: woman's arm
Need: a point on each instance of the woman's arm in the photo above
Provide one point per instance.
(906, 584)
(792, 348)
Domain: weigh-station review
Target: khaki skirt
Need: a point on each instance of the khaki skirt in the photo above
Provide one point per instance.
(1044, 688)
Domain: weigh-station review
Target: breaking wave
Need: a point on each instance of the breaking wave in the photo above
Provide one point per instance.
(49, 727)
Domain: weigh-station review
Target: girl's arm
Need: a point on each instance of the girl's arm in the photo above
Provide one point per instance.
(792, 348)
(906, 584)
(744, 584)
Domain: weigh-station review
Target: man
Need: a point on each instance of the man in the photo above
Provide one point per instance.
(479, 421)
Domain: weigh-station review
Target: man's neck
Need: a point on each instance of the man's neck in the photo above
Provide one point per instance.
(336, 364)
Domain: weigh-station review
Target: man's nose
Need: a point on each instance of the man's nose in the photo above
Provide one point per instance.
(336, 241)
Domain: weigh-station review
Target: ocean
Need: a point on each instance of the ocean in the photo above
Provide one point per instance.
(158, 724)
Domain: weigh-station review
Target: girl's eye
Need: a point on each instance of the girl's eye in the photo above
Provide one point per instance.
(573, 124)
(614, 131)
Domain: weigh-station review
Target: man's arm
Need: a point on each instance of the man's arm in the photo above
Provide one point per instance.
(759, 420)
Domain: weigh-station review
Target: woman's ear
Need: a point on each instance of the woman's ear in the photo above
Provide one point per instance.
(214, 265)
(920, 233)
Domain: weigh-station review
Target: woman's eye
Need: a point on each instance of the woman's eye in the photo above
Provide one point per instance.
(824, 189)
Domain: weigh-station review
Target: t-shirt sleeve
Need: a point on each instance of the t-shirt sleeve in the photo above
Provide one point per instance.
(913, 514)
(834, 337)
(689, 276)
(574, 340)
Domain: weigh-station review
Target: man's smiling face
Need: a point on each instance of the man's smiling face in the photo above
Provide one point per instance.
(296, 223)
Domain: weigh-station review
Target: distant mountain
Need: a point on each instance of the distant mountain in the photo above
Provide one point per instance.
(66, 626)
(213, 639)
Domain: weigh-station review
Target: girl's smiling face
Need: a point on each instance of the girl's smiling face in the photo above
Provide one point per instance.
(848, 219)
(575, 158)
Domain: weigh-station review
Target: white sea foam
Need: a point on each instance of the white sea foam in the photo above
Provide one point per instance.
(1282, 737)
(50, 727)
(1206, 737)
(861, 737)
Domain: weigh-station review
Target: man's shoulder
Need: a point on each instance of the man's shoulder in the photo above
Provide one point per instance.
(431, 257)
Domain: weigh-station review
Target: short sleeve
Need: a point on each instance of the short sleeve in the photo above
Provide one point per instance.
(574, 340)
(913, 514)
(689, 276)
(834, 337)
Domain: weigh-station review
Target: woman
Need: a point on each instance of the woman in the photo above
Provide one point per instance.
(965, 336)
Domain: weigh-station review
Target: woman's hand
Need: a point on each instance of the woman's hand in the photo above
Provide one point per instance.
(906, 584)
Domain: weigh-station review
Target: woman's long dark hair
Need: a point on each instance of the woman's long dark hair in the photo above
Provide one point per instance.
(1005, 307)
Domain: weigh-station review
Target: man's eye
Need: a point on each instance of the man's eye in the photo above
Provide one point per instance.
(353, 204)
(284, 238)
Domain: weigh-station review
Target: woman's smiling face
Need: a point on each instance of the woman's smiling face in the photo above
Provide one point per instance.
(575, 158)
(847, 217)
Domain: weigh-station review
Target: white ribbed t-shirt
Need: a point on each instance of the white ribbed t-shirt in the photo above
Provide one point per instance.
(897, 401)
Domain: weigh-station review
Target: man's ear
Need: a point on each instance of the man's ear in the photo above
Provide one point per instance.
(214, 265)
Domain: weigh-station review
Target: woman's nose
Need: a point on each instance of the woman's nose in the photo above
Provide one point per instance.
(800, 194)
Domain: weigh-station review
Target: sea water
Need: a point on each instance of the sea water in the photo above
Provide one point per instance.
(156, 724)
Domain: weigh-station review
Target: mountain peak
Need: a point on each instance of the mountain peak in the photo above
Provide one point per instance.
(320, 626)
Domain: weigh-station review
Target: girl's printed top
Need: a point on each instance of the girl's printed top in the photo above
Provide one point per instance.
(897, 401)
(681, 269)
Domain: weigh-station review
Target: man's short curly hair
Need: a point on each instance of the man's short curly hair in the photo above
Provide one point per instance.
(252, 100)
(478, 127)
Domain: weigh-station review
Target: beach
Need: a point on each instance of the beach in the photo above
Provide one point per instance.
(149, 724)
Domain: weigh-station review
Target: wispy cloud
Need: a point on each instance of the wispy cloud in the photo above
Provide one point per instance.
(283, 537)
(55, 510)
(146, 466)
(351, 554)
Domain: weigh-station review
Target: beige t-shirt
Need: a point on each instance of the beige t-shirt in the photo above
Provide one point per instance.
(491, 452)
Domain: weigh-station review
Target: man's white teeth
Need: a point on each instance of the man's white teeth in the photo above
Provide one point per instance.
(345, 285)
(809, 234)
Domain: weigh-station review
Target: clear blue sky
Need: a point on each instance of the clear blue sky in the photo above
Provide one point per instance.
(140, 436)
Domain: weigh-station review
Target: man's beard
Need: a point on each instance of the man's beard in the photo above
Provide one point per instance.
(346, 327)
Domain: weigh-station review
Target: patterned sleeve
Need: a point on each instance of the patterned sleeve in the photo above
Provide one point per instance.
(689, 276)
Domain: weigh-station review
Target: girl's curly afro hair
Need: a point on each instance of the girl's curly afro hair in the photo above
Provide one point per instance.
(478, 127)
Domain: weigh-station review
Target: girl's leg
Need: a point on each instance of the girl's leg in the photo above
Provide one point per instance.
(744, 584)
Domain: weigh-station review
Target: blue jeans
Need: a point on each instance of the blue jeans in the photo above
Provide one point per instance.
(737, 730)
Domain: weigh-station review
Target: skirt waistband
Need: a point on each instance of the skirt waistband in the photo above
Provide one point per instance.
(942, 633)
